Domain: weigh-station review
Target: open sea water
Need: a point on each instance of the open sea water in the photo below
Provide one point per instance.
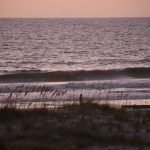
(100, 58)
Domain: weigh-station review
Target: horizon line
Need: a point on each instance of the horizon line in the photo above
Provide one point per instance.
(74, 17)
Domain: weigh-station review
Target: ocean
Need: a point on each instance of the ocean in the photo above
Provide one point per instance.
(103, 58)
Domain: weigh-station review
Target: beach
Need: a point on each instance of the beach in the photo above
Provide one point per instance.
(114, 92)
(75, 84)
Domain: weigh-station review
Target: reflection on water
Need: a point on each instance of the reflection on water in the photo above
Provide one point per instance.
(74, 44)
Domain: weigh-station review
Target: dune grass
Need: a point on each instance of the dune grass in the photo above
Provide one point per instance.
(72, 127)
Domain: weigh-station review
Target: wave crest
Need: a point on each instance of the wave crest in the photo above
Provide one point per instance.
(57, 76)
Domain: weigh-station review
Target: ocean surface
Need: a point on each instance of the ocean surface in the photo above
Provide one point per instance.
(100, 58)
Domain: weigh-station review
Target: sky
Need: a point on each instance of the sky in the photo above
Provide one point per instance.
(74, 8)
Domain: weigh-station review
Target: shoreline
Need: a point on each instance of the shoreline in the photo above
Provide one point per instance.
(120, 89)
(118, 104)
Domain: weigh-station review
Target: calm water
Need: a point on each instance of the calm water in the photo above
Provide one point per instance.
(73, 44)
(47, 45)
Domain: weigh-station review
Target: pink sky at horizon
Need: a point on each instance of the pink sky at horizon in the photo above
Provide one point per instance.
(74, 8)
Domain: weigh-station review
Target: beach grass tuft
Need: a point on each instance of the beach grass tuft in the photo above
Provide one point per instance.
(75, 126)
